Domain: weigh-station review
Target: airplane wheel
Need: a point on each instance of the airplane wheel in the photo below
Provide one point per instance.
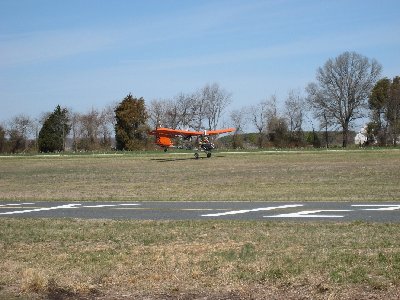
(208, 155)
(165, 149)
(196, 155)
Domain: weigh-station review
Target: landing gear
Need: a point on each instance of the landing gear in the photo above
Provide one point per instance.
(197, 156)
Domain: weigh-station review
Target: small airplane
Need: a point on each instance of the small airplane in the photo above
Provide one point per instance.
(164, 135)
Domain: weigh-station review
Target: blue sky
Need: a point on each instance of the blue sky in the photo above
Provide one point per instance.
(91, 53)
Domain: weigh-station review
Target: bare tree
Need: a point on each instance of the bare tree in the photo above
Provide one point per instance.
(75, 123)
(107, 122)
(185, 104)
(21, 127)
(259, 119)
(90, 129)
(342, 88)
(272, 108)
(216, 101)
(157, 113)
(276, 123)
(238, 121)
(199, 101)
(172, 113)
(294, 110)
(202, 109)
(22, 124)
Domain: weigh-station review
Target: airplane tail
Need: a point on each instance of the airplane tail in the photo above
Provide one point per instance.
(163, 141)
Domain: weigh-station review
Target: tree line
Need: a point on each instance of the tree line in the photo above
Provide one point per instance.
(345, 89)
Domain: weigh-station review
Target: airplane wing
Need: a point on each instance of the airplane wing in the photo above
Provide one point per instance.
(175, 132)
(220, 131)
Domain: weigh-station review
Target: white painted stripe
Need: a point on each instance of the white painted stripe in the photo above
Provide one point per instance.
(310, 214)
(243, 211)
(381, 207)
(99, 206)
(18, 204)
(374, 205)
(39, 209)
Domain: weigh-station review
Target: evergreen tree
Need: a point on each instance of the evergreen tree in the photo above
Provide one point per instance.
(384, 102)
(2, 139)
(393, 110)
(130, 127)
(54, 130)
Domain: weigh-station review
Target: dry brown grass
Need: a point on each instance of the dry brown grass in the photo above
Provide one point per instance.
(105, 259)
(219, 260)
(281, 176)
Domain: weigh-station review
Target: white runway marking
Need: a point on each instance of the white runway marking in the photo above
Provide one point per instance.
(39, 209)
(243, 211)
(75, 205)
(110, 205)
(381, 207)
(374, 211)
(19, 204)
(16, 204)
(310, 214)
(99, 206)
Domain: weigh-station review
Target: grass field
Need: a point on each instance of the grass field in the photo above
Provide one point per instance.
(63, 259)
(272, 176)
(109, 259)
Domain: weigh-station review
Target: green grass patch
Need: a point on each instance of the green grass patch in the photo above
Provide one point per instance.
(353, 175)
(58, 259)
(103, 257)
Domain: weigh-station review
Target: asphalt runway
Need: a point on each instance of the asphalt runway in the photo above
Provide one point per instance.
(261, 211)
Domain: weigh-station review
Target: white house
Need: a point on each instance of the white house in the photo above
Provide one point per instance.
(361, 137)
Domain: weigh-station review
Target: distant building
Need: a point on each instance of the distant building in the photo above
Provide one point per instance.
(361, 137)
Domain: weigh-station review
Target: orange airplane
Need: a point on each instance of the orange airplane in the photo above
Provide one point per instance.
(164, 135)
